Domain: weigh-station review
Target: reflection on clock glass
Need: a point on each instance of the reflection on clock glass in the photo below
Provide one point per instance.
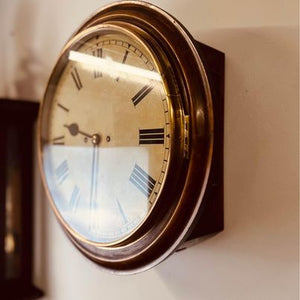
(106, 136)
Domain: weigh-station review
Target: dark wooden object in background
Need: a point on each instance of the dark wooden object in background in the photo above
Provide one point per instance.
(16, 199)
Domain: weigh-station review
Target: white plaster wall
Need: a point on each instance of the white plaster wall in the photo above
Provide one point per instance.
(256, 257)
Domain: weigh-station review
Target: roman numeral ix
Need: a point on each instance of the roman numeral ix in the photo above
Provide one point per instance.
(143, 181)
(151, 136)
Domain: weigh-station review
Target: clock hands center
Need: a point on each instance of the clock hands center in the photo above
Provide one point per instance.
(74, 130)
(95, 139)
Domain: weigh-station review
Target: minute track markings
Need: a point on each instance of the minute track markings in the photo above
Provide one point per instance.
(128, 46)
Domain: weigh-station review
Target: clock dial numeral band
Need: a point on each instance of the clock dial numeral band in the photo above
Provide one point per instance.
(143, 181)
(151, 136)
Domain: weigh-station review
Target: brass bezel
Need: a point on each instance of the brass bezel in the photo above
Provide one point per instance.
(170, 220)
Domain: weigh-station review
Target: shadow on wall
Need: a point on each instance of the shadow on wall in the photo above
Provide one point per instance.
(27, 66)
(256, 257)
(29, 78)
(25, 84)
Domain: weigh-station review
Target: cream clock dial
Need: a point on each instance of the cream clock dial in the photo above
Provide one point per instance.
(130, 137)
(107, 141)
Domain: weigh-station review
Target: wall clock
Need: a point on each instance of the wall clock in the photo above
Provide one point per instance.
(130, 137)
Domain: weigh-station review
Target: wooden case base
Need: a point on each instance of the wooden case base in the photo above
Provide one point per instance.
(210, 218)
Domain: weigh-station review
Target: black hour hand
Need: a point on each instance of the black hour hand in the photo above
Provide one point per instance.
(74, 130)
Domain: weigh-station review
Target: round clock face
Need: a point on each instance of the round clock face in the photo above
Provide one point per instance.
(105, 135)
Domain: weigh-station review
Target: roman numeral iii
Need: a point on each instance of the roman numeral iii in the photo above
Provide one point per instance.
(143, 181)
(151, 136)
